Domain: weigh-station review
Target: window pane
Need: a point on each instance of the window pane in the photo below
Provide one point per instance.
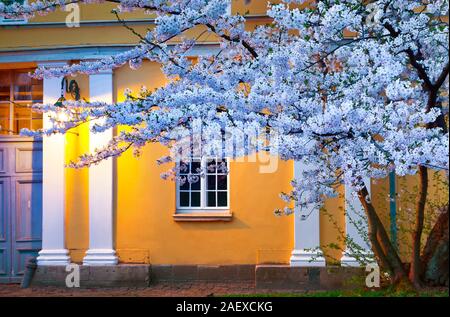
(184, 199)
(211, 166)
(196, 185)
(5, 83)
(195, 167)
(221, 166)
(36, 122)
(195, 199)
(185, 186)
(222, 199)
(37, 89)
(211, 182)
(4, 118)
(22, 118)
(211, 199)
(27, 88)
(22, 86)
(184, 168)
(222, 182)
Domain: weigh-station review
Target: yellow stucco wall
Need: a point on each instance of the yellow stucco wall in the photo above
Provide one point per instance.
(146, 230)
(84, 36)
(145, 226)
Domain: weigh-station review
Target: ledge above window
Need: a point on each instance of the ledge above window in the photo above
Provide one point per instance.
(203, 216)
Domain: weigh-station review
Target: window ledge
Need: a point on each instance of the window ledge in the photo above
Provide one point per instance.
(203, 216)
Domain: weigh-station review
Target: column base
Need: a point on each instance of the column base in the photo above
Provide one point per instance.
(306, 259)
(349, 260)
(100, 257)
(53, 257)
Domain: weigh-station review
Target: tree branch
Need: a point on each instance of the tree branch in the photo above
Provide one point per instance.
(235, 40)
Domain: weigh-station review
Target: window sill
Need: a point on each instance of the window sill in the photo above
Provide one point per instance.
(203, 216)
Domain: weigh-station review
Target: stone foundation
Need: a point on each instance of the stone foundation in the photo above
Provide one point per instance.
(122, 275)
(308, 278)
(277, 277)
(213, 273)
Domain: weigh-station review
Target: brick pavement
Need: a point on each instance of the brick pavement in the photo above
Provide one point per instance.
(161, 289)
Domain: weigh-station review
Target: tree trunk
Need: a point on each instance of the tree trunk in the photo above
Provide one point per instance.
(415, 269)
(381, 244)
(436, 252)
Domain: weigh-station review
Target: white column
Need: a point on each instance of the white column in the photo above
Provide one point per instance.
(306, 232)
(354, 213)
(101, 184)
(53, 251)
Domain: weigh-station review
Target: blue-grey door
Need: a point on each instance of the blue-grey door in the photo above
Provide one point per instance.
(5, 229)
(21, 205)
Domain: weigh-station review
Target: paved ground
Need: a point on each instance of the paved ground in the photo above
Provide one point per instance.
(162, 289)
(196, 289)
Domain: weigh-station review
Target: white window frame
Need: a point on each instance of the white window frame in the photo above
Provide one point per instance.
(5, 21)
(203, 208)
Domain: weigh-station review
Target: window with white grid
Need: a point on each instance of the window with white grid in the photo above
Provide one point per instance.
(208, 193)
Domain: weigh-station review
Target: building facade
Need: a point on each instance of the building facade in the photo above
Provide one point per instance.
(121, 211)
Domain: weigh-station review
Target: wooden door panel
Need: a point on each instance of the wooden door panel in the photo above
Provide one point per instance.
(5, 239)
(21, 258)
(27, 223)
(3, 160)
(20, 205)
(28, 210)
(28, 159)
(4, 197)
(3, 262)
